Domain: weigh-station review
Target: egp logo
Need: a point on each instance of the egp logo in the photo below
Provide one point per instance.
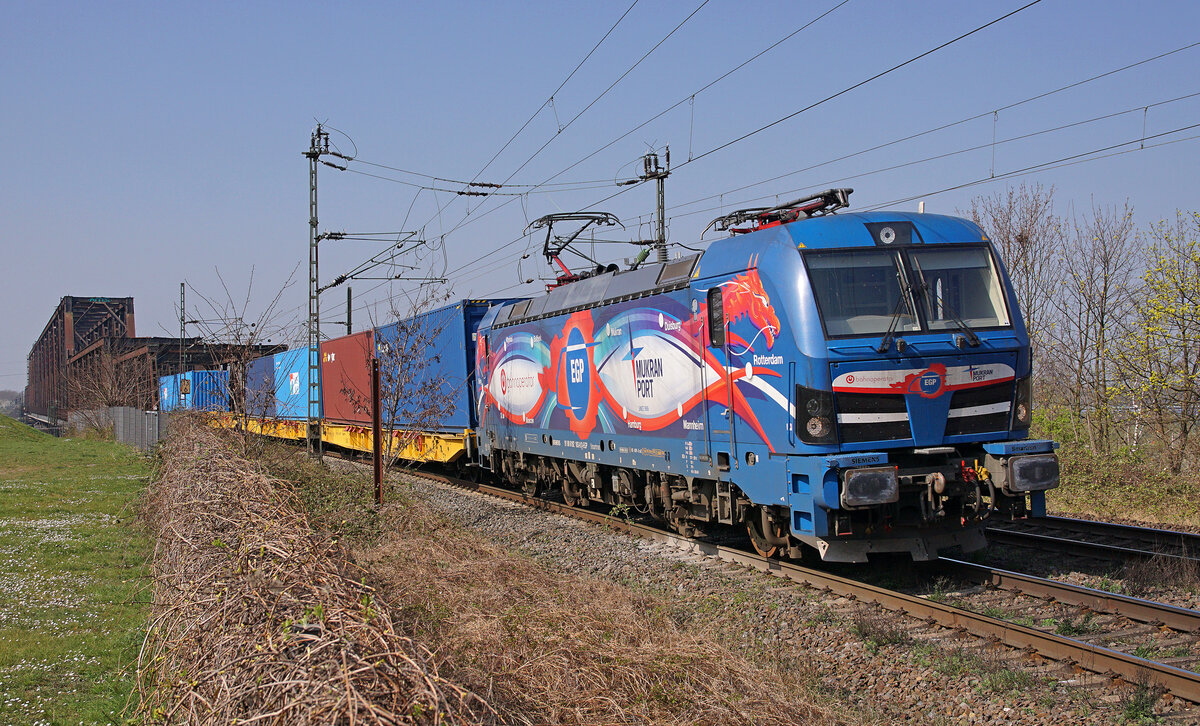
(503, 382)
(578, 383)
(928, 383)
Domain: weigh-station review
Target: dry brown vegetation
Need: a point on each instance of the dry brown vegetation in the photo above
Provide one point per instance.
(259, 618)
(547, 647)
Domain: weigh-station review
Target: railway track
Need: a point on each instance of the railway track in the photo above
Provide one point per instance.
(1119, 619)
(1101, 540)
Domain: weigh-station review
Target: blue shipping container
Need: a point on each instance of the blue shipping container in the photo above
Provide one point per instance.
(277, 386)
(426, 367)
(290, 372)
(260, 387)
(205, 391)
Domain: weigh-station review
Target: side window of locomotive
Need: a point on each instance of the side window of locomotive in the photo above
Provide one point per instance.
(858, 292)
(716, 318)
(962, 282)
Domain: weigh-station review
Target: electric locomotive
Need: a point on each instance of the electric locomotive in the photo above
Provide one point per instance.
(853, 382)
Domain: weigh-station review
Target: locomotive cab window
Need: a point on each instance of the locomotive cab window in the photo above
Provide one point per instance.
(716, 318)
(869, 291)
(860, 291)
(959, 282)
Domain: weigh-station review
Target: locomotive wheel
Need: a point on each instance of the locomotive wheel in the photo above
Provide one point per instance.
(530, 488)
(570, 492)
(758, 539)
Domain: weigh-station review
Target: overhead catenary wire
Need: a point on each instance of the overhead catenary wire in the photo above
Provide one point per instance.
(1063, 161)
(941, 127)
(690, 97)
(460, 182)
(860, 84)
(934, 157)
(1071, 159)
(809, 107)
(549, 100)
(718, 79)
(492, 190)
(1003, 107)
(1082, 158)
(922, 133)
(585, 109)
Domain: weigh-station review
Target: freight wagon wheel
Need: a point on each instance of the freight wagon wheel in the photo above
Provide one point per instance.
(759, 540)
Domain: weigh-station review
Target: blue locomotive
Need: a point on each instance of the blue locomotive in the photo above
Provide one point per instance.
(855, 382)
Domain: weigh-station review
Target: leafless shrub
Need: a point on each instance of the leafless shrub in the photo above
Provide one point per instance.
(1146, 576)
(233, 336)
(1091, 308)
(413, 395)
(257, 617)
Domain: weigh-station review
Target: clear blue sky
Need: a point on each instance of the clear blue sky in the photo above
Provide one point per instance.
(149, 143)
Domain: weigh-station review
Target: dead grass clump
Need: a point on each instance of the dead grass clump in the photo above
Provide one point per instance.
(1146, 576)
(549, 647)
(878, 627)
(258, 618)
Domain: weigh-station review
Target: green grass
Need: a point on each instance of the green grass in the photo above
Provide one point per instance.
(72, 568)
(1123, 485)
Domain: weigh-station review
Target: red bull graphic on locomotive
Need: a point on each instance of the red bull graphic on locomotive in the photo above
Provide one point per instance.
(642, 365)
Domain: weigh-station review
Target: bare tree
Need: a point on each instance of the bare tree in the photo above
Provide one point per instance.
(415, 397)
(1027, 233)
(1160, 361)
(1090, 309)
(234, 336)
(100, 381)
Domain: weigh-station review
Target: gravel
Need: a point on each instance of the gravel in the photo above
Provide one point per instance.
(891, 668)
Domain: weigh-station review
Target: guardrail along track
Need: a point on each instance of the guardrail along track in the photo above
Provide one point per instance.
(1102, 540)
(1089, 656)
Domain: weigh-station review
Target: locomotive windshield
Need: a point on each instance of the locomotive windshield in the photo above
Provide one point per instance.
(926, 288)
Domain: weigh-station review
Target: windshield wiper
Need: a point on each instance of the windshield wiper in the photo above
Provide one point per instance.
(972, 338)
(903, 300)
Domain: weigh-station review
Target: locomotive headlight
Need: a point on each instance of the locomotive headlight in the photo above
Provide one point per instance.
(818, 427)
(1022, 404)
(868, 486)
(818, 405)
(1033, 473)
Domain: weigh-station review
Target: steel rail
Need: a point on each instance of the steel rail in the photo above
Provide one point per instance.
(1177, 681)
(1144, 611)
(1161, 537)
(1012, 534)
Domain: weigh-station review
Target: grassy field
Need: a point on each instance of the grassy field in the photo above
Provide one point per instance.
(1122, 487)
(72, 568)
